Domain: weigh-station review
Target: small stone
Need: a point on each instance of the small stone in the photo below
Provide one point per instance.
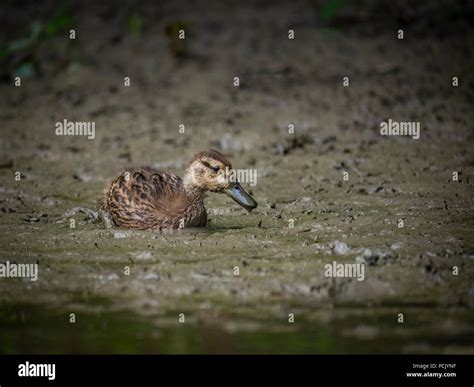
(143, 255)
(152, 276)
(360, 259)
(367, 253)
(396, 246)
(121, 234)
(341, 248)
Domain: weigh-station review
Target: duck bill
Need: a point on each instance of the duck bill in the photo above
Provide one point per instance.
(241, 196)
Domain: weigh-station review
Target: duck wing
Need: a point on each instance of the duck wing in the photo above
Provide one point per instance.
(145, 198)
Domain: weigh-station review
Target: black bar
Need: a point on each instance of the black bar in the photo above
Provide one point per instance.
(382, 370)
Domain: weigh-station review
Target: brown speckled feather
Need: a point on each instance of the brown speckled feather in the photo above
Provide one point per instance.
(143, 198)
(213, 154)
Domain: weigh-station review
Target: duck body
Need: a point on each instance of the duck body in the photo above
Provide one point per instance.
(143, 198)
(146, 198)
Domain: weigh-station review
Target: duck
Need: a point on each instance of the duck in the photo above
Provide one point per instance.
(146, 198)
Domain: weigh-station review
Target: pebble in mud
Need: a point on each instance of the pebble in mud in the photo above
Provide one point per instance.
(339, 248)
(122, 234)
(372, 257)
(152, 276)
(142, 255)
(396, 246)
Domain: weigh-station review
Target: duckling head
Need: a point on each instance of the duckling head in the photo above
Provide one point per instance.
(210, 171)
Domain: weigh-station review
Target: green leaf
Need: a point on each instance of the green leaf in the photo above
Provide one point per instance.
(3, 51)
(26, 70)
(135, 24)
(36, 29)
(61, 20)
(19, 45)
(26, 43)
(329, 9)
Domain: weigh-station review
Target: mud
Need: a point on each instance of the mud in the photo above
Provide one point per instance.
(408, 270)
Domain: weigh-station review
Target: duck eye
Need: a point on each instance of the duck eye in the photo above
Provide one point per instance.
(215, 169)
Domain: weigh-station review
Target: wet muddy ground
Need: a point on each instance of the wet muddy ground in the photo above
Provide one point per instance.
(308, 214)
